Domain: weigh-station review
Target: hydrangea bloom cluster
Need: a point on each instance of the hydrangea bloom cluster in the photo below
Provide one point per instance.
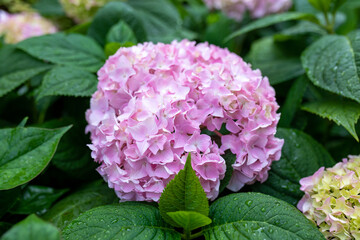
(154, 100)
(257, 8)
(332, 199)
(17, 27)
(82, 10)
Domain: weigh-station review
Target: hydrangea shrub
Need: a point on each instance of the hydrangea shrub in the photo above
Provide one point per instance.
(256, 8)
(19, 26)
(82, 10)
(154, 100)
(331, 199)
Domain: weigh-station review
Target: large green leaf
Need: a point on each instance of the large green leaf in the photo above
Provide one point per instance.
(189, 220)
(36, 199)
(269, 57)
(69, 208)
(301, 157)
(183, 193)
(256, 216)
(343, 112)
(128, 220)
(25, 152)
(333, 63)
(68, 81)
(151, 20)
(70, 50)
(16, 68)
(32, 228)
(271, 20)
(121, 33)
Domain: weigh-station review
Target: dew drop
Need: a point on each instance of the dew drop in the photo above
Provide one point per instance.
(263, 209)
(248, 203)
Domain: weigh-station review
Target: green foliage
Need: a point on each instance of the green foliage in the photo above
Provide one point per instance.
(301, 156)
(332, 63)
(16, 68)
(19, 163)
(183, 193)
(73, 50)
(128, 220)
(121, 33)
(343, 112)
(32, 228)
(269, 57)
(8, 199)
(270, 20)
(68, 81)
(93, 195)
(150, 20)
(230, 159)
(189, 220)
(256, 216)
(36, 199)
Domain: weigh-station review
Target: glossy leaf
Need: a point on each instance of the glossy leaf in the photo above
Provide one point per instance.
(343, 112)
(333, 63)
(256, 216)
(129, 220)
(32, 228)
(68, 81)
(25, 152)
(269, 56)
(271, 20)
(36, 199)
(69, 208)
(73, 50)
(16, 68)
(183, 193)
(189, 220)
(301, 157)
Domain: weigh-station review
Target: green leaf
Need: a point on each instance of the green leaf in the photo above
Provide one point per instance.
(16, 68)
(271, 20)
(321, 5)
(49, 8)
(73, 50)
(32, 228)
(230, 159)
(293, 101)
(189, 220)
(256, 216)
(68, 81)
(183, 193)
(25, 152)
(121, 33)
(302, 28)
(333, 63)
(269, 56)
(301, 157)
(8, 199)
(130, 220)
(36, 199)
(150, 20)
(94, 195)
(111, 48)
(343, 112)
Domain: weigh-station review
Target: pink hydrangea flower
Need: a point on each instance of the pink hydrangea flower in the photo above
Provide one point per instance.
(154, 100)
(332, 197)
(17, 27)
(257, 8)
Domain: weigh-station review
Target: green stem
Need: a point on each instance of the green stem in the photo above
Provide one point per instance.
(329, 25)
(187, 234)
(196, 235)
